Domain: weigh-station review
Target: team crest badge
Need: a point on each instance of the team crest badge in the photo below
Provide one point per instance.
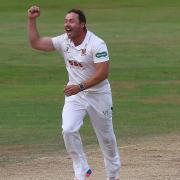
(83, 52)
(67, 49)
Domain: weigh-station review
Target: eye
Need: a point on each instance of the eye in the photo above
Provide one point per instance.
(72, 20)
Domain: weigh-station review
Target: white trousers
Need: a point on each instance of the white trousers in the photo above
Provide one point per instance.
(99, 109)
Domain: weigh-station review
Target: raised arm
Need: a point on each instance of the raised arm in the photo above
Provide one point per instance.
(37, 42)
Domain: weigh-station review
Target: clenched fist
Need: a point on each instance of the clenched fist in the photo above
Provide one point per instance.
(70, 90)
(33, 12)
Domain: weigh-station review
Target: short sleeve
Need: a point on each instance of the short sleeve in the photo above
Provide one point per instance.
(100, 53)
(57, 42)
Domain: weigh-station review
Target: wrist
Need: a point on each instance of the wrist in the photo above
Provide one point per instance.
(31, 20)
(82, 86)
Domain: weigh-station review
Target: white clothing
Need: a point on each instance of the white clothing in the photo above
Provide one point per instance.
(95, 101)
(79, 60)
(99, 108)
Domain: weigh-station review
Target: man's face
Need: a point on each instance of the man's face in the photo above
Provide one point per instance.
(72, 25)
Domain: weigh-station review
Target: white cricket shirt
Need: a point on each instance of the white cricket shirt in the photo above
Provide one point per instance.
(80, 60)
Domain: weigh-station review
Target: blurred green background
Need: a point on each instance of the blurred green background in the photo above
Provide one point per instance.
(143, 38)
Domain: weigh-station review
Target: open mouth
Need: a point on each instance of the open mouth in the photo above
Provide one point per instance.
(68, 30)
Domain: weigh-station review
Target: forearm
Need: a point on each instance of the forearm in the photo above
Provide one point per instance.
(32, 32)
(101, 73)
(95, 79)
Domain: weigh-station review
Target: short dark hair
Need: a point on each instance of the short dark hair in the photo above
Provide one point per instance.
(82, 17)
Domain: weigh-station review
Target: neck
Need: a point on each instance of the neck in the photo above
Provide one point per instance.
(78, 40)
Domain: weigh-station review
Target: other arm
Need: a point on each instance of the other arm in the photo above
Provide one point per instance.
(37, 42)
(102, 71)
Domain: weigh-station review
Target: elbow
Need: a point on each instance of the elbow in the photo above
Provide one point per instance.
(104, 76)
(33, 44)
(107, 75)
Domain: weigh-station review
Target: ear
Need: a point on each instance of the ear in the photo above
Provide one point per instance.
(82, 24)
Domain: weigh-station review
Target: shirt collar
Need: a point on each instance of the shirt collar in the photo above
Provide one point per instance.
(83, 45)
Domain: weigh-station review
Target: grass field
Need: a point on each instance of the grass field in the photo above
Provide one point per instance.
(143, 38)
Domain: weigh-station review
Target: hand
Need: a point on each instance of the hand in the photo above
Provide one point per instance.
(33, 12)
(70, 90)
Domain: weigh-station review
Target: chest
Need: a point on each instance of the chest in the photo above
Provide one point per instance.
(84, 55)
